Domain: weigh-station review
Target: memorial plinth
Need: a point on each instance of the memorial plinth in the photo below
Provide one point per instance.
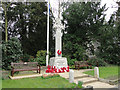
(58, 62)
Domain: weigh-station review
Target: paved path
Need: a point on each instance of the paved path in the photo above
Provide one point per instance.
(80, 76)
(25, 76)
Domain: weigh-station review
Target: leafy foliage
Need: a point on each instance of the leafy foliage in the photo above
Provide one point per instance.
(41, 57)
(85, 23)
(41, 53)
(81, 21)
(80, 83)
(108, 39)
(11, 52)
(97, 62)
(25, 58)
(29, 21)
(72, 49)
(71, 61)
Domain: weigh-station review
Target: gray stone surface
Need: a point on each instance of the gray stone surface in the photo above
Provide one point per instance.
(71, 76)
(25, 76)
(119, 86)
(58, 62)
(86, 80)
(96, 84)
(99, 84)
(96, 72)
(58, 36)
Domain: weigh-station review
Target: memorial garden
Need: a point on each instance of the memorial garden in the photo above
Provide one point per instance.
(78, 48)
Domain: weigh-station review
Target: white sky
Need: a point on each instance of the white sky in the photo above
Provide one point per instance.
(110, 4)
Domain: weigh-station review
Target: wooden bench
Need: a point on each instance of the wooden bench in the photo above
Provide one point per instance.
(25, 66)
(79, 64)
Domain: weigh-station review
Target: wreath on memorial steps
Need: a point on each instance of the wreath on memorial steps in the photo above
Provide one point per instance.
(59, 52)
(53, 69)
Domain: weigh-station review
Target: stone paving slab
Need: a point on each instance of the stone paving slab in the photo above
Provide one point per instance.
(77, 74)
(86, 80)
(99, 84)
(66, 75)
(25, 76)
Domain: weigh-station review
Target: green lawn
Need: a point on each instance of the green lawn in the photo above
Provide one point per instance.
(110, 72)
(38, 82)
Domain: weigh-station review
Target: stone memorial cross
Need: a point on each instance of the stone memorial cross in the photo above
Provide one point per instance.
(58, 36)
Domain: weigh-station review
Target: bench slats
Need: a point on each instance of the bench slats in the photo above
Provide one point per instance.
(24, 63)
(24, 66)
(79, 64)
(26, 69)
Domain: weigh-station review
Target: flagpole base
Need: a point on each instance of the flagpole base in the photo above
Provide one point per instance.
(47, 56)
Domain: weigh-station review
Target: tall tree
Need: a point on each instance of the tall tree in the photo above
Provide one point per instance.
(82, 21)
(86, 28)
(28, 22)
(109, 39)
(5, 7)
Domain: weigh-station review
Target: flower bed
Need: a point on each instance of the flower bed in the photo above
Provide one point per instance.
(53, 69)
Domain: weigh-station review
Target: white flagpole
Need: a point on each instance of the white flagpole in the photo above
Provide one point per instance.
(47, 56)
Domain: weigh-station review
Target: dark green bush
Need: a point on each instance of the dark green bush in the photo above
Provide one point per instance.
(71, 61)
(11, 52)
(97, 61)
(25, 58)
(41, 61)
(41, 53)
(41, 57)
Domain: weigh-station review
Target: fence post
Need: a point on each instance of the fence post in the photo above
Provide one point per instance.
(71, 76)
(96, 72)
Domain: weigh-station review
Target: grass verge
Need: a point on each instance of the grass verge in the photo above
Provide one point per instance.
(110, 72)
(38, 82)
